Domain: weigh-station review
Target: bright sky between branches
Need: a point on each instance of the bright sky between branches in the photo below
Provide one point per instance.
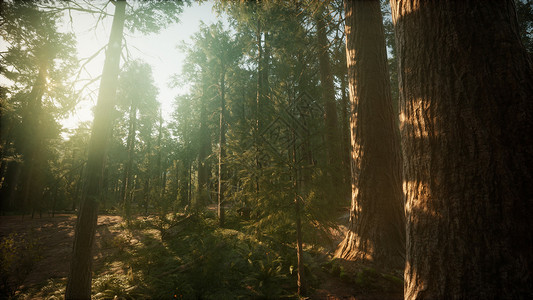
(159, 50)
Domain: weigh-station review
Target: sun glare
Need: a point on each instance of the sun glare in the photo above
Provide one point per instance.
(158, 50)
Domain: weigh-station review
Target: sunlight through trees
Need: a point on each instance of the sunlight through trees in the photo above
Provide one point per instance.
(210, 149)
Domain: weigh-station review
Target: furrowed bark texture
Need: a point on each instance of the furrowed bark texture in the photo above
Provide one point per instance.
(79, 279)
(376, 229)
(466, 112)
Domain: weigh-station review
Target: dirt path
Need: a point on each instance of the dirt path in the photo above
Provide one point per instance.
(55, 236)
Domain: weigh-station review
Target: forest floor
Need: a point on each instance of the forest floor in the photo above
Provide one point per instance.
(47, 244)
(51, 240)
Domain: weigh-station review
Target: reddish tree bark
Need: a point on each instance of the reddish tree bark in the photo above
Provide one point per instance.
(466, 113)
(376, 229)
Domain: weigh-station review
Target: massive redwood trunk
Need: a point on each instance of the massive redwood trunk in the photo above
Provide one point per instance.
(376, 230)
(79, 279)
(466, 111)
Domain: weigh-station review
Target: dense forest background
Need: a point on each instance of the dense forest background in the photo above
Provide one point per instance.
(279, 173)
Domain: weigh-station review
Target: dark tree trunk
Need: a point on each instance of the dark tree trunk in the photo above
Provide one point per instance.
(222, 149)
(127, 182)
(345, 136)
(79, 279)
(330, 114)
(467, 124)
(203, 152)
(79, 188)
(161, 169)
(175, 190)
(146, 195)
(298, 218)
(6, 138)
(31, 187)
(189, 183)
(8, 186)
(376, 230)
(299, 246)
(105, 189)
(183, 180)
(259, 101)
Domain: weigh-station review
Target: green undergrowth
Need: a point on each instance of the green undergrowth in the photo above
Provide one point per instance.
(191, 257)
(18, 255)
(181, 256)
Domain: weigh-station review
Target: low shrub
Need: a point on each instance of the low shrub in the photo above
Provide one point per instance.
(18, 256)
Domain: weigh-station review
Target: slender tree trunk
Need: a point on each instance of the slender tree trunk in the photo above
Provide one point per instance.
(127, 184)
(330, 113)
(79, 188)
(222, 153)
(161, 171)
(116, 194)
(467, 124)
(189, 183)
(299, 247)
(3, 169)
(345, 137)
(201, 197)
(8, 186)
(31, 189)
(164, 183)
(266, 66)
(298, 213)
(176, 192)
(159, 150)
(183, 180)
(376, 230)
(105, 188)
(54, 200)
(146, 195)
(259, 83)
(259, 101)
(79, 279)
(5, 140)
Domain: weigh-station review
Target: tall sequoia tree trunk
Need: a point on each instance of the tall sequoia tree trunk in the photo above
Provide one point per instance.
(333, 140)
(376, 230)
(79, 279)
(467, 118)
